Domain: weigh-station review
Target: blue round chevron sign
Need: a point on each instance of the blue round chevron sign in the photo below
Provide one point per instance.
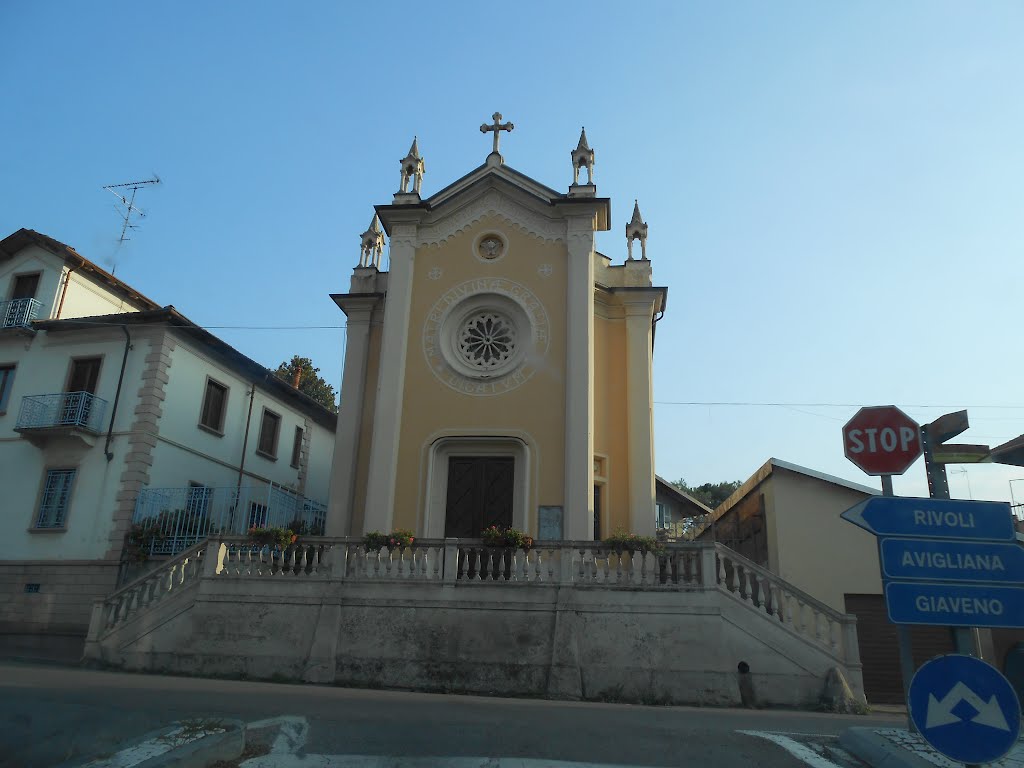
(964, 708)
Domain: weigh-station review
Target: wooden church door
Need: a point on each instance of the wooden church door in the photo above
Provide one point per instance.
(479, 494)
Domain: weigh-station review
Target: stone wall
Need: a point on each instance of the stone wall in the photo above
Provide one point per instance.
(53, 620)
(519, 639)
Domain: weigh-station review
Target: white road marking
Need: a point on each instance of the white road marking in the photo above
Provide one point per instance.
(159, 745)
(795, 748)
(294, 730)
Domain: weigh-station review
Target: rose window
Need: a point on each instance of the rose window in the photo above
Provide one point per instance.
(487, 340)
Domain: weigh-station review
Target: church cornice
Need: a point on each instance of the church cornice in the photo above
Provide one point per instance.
(492, 203)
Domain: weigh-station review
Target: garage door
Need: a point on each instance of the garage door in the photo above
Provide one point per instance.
(879, 647)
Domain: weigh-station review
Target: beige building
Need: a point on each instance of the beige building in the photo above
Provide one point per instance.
(786, 518)
(499, 371)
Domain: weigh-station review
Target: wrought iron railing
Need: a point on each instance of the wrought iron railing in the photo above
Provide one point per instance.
(174, 519)
(19, 313)
(64, 409)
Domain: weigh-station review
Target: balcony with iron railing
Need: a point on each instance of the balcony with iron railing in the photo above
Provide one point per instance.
(18, 314)
(73, 415)
(174, 519)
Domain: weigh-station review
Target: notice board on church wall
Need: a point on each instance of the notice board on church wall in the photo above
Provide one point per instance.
(549, 523)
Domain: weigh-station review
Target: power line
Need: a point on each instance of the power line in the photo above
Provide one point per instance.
(815, 405)
(114, 324)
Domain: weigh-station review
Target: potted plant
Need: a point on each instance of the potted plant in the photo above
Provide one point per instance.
(504, 542)
(399, 539)
(140, 540)
(621, 542)
(272, 538)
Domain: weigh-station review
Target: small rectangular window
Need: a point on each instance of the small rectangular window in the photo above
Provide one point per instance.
(214, 402)
(270, 428)
(296, 447)
(6, 385)
(32, 588)
(257, 515)
(25, 287)
(53, 506)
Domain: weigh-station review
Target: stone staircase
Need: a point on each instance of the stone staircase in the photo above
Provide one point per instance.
(696, 623)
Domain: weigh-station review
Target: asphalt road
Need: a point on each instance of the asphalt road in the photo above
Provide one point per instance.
(51, 714)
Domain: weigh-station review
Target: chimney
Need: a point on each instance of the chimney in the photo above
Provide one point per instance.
(297, 378)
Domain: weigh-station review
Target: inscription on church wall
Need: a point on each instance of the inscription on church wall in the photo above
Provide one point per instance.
(515, 301)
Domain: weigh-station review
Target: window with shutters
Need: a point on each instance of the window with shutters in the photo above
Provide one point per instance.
(270, 429)
(297, 447)
(215, 402)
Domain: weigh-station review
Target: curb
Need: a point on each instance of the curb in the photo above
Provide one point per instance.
(199, 753)
(877, 751)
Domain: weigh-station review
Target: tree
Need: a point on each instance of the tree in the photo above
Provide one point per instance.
(310, 381)
(709, 494)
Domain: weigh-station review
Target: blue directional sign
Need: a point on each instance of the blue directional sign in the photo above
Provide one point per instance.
(954, 605)
(949, 560)
(933, 518)
(964, 708)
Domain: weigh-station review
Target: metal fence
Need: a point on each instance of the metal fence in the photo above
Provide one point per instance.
(19, 313)
(176, 518)
(62, 409)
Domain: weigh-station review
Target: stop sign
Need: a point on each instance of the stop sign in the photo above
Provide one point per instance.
(882, 440)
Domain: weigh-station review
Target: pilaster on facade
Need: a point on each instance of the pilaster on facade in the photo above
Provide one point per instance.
(639, 307)
(142, 438)
(387, 418)
(361, 312)
(579, 391)
(304, 447)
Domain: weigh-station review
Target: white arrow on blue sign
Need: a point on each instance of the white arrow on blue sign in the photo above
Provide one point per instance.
(948, 560)
(933, 518)
(954, 605)
(964, 708)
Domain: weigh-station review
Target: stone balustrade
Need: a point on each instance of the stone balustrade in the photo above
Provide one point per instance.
(581, 563)
(684, 566)
(157, 585)
(802, 614)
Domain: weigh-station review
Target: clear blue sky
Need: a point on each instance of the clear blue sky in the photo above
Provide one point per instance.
(834, 190)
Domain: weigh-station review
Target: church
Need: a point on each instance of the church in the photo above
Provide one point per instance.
(498, 373)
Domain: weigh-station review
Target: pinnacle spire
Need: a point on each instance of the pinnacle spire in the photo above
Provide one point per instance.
(637, 218)
(371, 244)
(636, 230)
(582, 157)
(413, 169)
(583, 146)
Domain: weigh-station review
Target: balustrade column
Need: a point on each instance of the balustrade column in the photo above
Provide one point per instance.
(708, 568)
(213, 558)
(451, 560)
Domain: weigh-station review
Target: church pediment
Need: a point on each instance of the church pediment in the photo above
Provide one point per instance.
(493, 191)
(465, 211)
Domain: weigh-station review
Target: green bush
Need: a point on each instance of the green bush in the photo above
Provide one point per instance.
(400, 538)
(272, 537)
(620, 542)
(506, 537)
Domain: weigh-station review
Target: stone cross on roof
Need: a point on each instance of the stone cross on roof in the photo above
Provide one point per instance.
(496, 127)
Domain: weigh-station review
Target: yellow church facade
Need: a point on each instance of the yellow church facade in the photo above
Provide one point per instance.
(499, 371)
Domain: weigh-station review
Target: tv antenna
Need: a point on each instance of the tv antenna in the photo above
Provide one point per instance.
(127, 207)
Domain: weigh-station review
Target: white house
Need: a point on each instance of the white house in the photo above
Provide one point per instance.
(113, 408)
